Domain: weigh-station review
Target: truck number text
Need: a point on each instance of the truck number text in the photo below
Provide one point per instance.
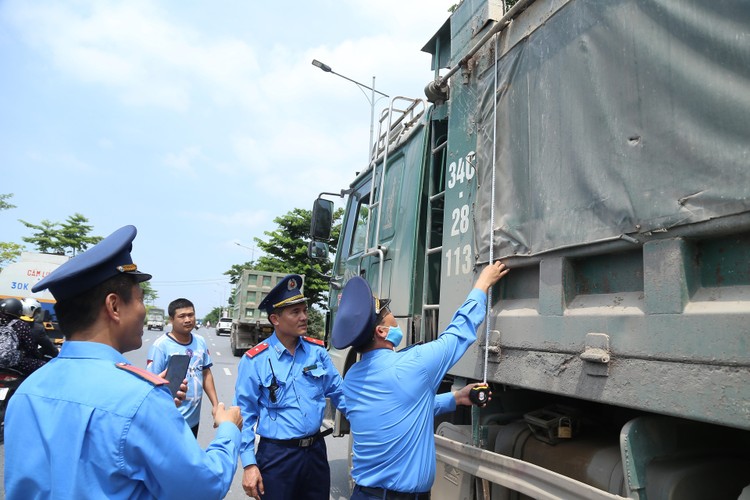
(461, 171)
(458, 260)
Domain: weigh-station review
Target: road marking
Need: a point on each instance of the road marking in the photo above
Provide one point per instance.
(227, 372)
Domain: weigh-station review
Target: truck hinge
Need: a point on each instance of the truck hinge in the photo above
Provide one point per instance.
(493, 349)
(596, 355)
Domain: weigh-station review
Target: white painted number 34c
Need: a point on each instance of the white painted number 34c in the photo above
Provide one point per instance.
(461, 171)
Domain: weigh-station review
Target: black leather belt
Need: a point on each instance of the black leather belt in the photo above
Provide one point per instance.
(385, 494)
(299, 442)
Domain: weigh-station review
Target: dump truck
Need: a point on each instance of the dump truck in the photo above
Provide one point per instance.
(250, 325)
(600, 149)
(155, 319)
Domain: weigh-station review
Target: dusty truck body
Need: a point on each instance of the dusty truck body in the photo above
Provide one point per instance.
(250, 325)
(601, 150)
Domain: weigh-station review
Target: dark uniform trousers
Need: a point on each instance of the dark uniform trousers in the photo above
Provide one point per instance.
(368, 493)
(292, 472)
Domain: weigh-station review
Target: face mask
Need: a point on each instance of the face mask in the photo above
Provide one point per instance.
(394, 335)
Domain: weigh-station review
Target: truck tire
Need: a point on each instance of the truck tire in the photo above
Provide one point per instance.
(237, 352)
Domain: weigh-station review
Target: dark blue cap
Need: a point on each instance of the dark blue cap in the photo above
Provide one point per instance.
(357, 315)
(287, 292)
(106, 259)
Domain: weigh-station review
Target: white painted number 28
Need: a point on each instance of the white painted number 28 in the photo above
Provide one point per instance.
(460, 218)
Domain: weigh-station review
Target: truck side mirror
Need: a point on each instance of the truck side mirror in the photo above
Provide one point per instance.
(317, 250)
(321, 220)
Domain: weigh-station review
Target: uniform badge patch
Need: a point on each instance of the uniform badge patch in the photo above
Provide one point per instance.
(314, 341)
(257, 349)
(141, 373)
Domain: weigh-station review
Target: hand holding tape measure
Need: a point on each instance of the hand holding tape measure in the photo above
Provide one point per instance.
(480, 395)
(477, 394)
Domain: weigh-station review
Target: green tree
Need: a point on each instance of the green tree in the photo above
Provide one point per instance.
(54, 237)
(315, 323)
(149, 294)
(4, 205)
(44, 238)
(213, 316)
(235, 272)
(285, 251)
(74, 234)
(9, 252)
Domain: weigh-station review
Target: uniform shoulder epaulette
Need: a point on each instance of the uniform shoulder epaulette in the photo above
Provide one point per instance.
(257, 349)
(141, 373)
(315, 341)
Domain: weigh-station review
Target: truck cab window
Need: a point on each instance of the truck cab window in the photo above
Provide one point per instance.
(360, 229)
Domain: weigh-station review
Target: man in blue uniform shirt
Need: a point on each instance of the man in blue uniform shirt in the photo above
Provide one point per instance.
(282, 385)
(390, 396)
(90, 425)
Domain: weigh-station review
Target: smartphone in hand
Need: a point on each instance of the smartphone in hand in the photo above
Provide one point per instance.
(176, 371)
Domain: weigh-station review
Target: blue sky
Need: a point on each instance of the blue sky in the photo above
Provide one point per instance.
(197, 122)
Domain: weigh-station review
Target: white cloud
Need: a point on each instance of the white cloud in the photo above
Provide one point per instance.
(212, 109)
(240, 222)
(134, 49)
(184, 161)
(61, 162)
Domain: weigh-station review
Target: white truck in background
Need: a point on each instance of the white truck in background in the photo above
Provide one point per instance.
(155, 319)
(17, 279)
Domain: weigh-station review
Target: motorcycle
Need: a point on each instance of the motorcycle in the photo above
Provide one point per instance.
(10, 379)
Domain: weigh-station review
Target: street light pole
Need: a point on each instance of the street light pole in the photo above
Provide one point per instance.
(252, 249)
(371, 99)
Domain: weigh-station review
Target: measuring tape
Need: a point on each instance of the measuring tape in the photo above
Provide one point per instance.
(480, 394)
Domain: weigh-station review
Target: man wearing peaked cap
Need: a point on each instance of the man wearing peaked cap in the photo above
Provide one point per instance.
(357, 315)
(287, 292)
(108, 258)
(90, 425)
(393, 390)
(282, 386)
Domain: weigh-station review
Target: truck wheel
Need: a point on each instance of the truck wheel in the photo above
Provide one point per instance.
(237, 352)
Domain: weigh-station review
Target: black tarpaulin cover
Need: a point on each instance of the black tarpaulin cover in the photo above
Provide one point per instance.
(616, 117)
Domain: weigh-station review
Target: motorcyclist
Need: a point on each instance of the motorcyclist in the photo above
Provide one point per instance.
(32, 310)
(12, 309)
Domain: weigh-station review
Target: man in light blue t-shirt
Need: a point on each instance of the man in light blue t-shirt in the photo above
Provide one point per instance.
(182, 340)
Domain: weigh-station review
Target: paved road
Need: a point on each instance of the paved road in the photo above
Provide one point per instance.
(225, 372)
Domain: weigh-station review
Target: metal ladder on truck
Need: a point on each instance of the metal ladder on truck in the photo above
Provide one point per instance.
(398, 119)
(434, 231)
